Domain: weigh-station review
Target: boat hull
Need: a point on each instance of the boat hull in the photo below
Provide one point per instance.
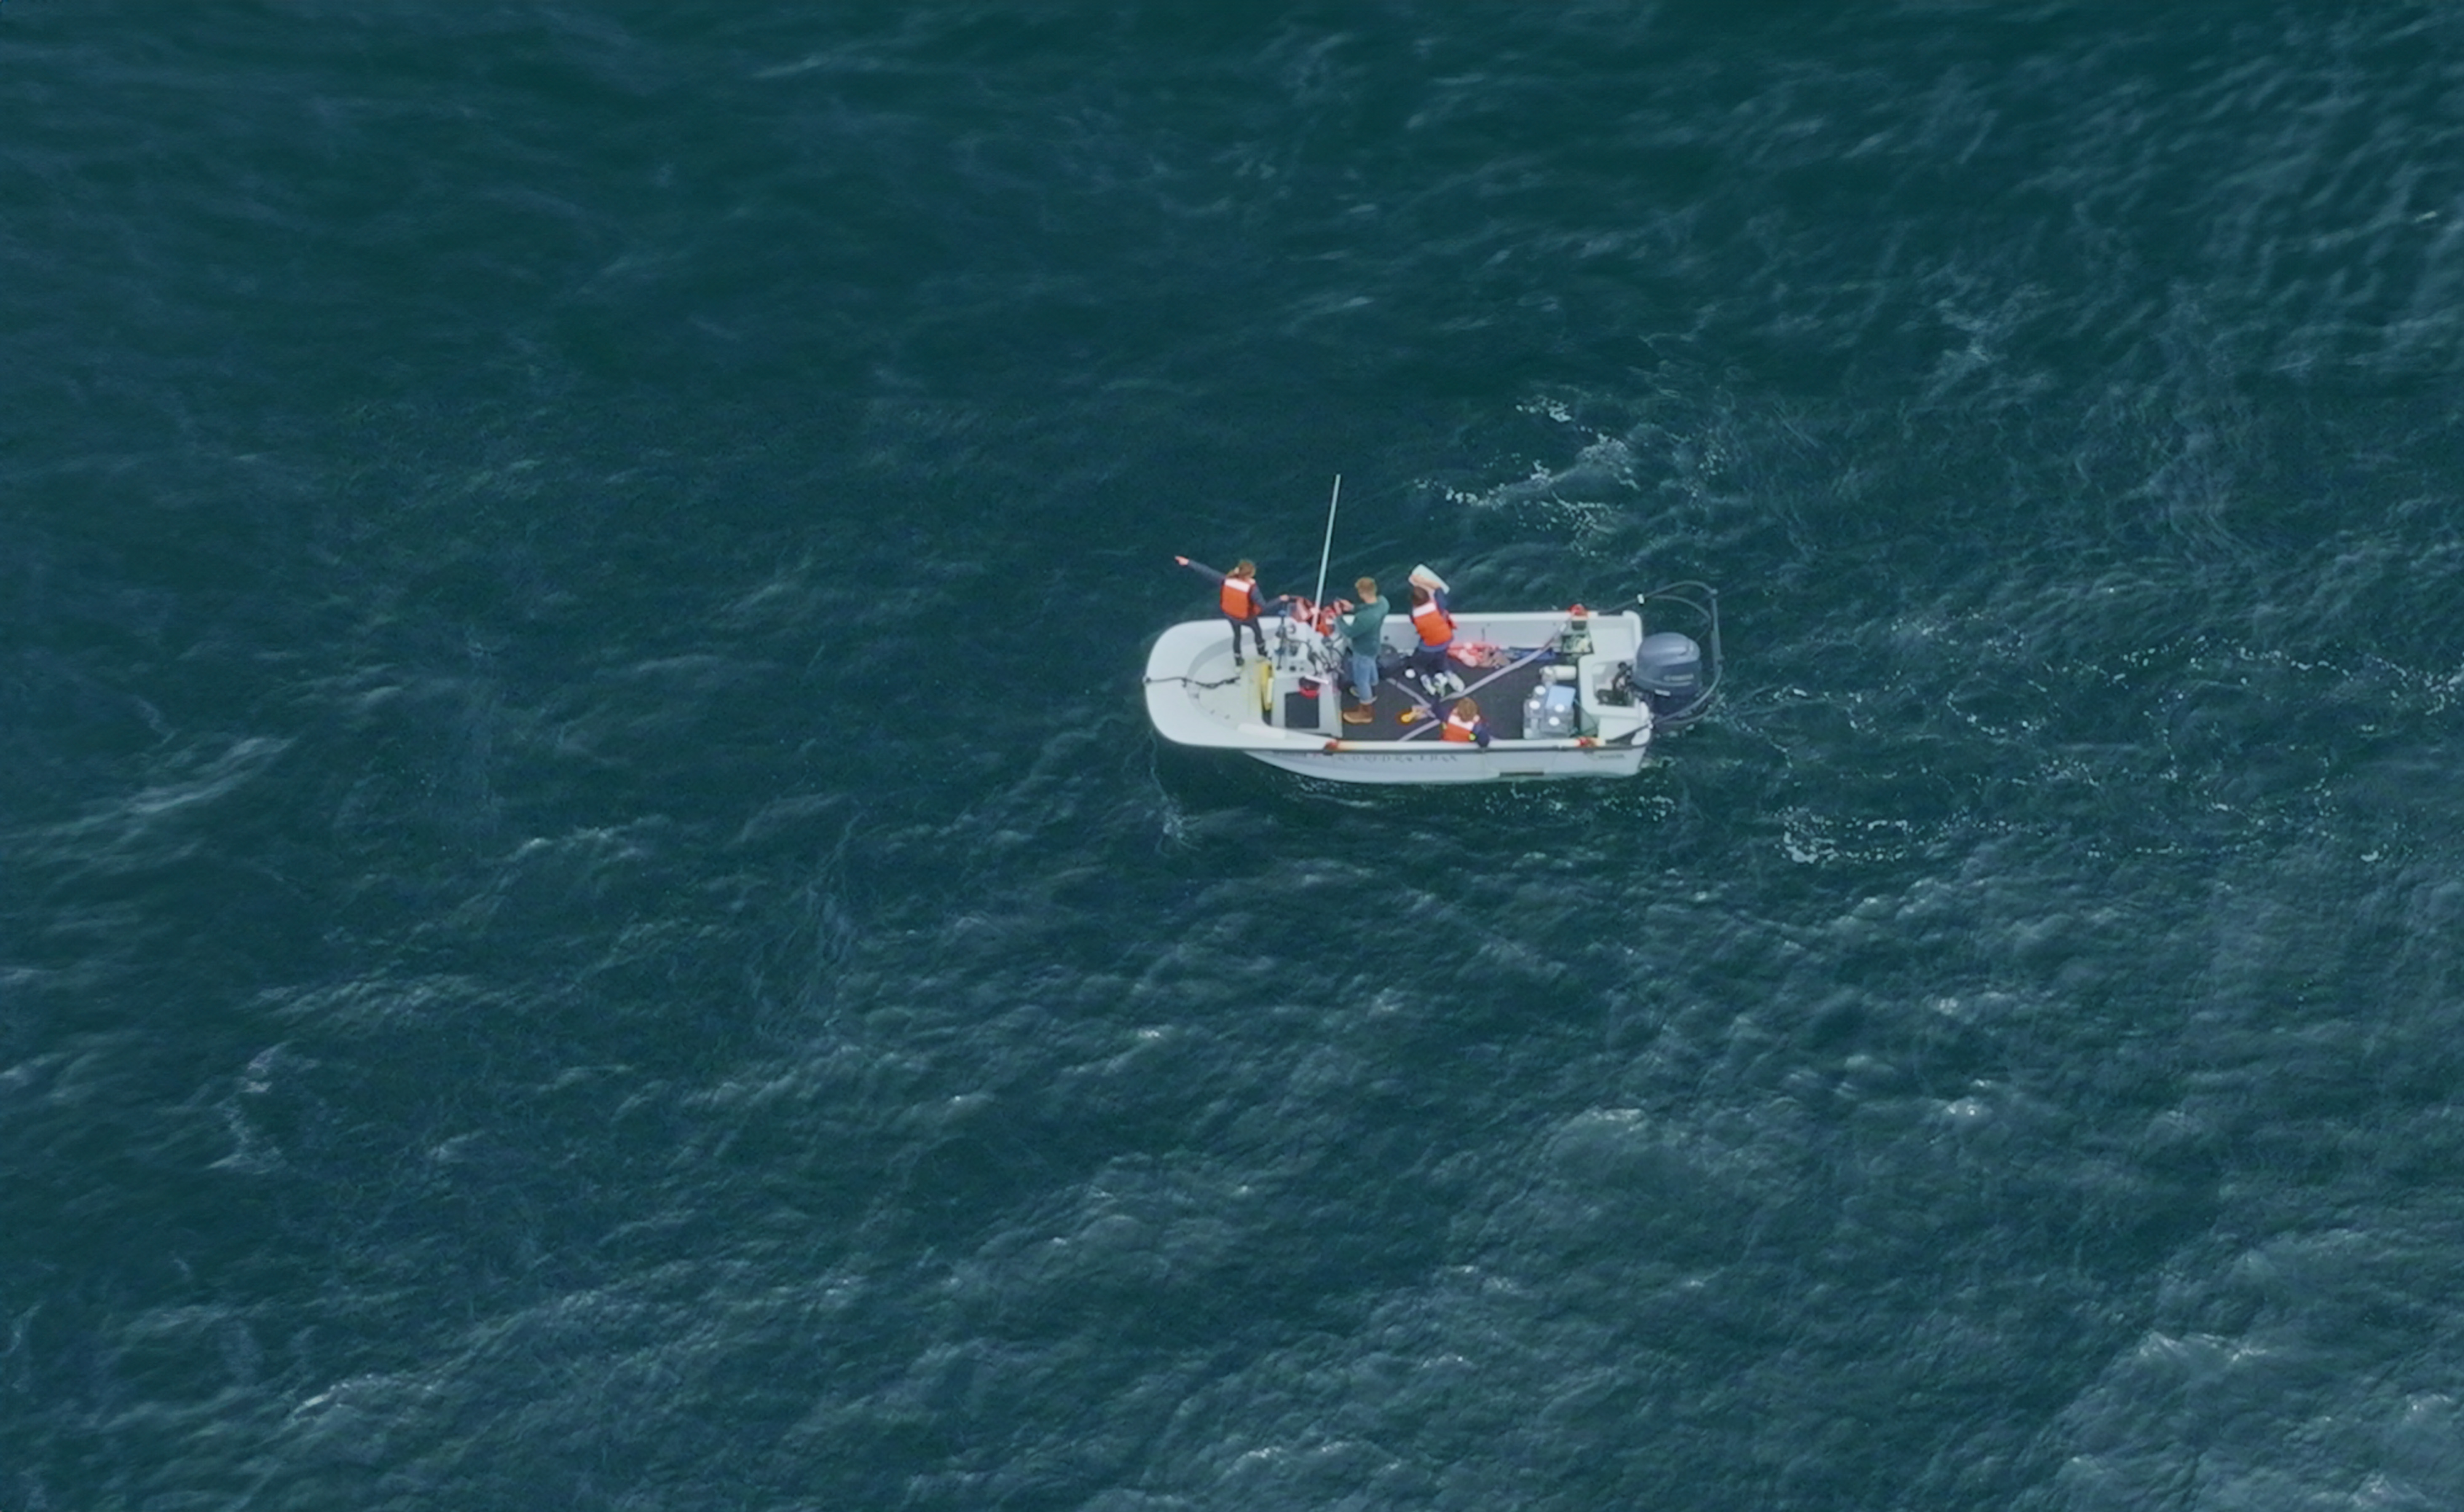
(1502, 762)
(1286, 714)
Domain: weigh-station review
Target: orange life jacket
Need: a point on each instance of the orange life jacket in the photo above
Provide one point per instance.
(1460, 727)
(1240, 597)
(1430, 621)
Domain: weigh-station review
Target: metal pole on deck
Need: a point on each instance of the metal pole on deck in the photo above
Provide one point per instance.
(1328, 554)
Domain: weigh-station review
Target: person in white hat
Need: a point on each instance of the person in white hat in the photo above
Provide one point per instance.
(1434, 623)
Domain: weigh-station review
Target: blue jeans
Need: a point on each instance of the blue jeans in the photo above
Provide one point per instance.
(1364, 679)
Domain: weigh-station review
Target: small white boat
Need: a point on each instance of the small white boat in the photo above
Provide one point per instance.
(1564, 693)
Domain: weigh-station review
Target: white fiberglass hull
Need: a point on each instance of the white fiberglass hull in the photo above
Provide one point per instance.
(1503, 761)
(1285, 715)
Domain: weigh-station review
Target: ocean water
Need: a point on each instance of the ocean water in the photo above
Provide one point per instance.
(589, 915)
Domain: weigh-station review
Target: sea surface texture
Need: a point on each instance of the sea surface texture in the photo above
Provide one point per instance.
(589, 916)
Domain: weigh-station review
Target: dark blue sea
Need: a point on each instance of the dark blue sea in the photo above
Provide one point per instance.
(589, 916)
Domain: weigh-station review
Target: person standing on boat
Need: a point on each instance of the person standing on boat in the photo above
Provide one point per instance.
(1236, 597)
(1435, 627)
(1364, 626)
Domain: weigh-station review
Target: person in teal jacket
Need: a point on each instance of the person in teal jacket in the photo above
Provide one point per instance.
(1364, 626)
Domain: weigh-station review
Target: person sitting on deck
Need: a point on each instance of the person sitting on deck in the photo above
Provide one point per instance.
(1464, 725)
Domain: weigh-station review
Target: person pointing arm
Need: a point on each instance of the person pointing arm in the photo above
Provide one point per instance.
(1237, 599)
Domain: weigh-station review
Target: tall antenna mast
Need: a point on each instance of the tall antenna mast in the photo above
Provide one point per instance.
(1328, 554)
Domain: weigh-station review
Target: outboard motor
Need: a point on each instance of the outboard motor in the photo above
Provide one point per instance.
(1668, 673)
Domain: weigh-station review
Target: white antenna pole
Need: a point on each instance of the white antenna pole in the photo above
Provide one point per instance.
(1327, 555)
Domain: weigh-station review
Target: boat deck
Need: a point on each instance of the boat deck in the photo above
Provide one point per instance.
(1198, 696)
(1499, 691)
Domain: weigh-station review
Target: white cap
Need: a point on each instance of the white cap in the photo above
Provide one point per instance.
(1427, 579)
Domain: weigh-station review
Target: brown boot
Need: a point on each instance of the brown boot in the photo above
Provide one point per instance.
(1359, 717)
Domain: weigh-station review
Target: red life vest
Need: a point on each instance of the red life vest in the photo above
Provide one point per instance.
(1239, 597)
(1300, 613)
(1461, 727)
(1430, 621)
